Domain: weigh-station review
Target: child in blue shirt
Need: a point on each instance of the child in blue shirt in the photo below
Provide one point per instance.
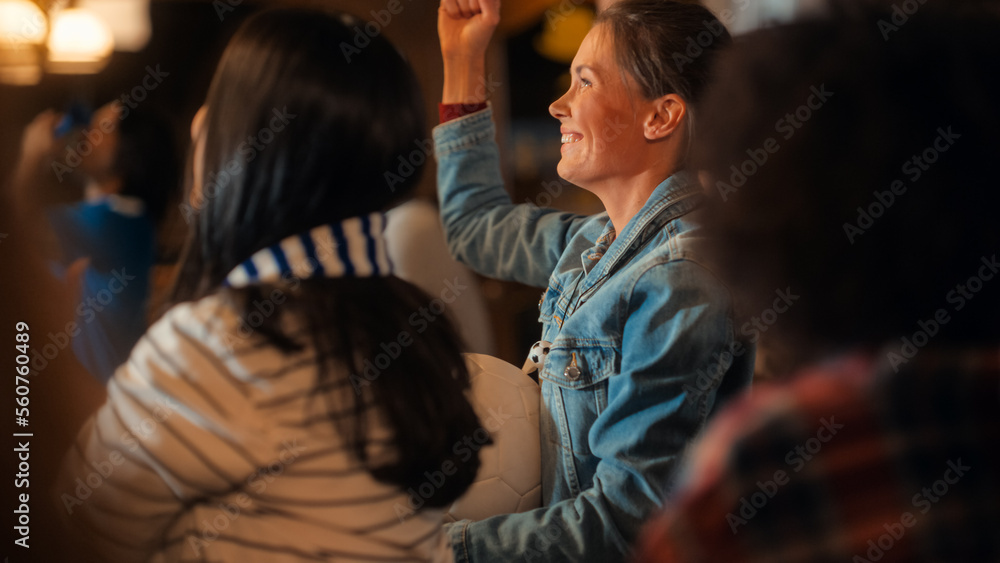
(128, 166)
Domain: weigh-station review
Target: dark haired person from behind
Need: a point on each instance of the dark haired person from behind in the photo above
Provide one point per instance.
(880, 215)
(129, 170)
(239, 429)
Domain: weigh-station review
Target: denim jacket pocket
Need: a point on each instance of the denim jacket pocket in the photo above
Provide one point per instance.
(575, 377)
(578, 363)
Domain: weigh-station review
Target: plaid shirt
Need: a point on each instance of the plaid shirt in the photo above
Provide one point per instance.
(849, 462)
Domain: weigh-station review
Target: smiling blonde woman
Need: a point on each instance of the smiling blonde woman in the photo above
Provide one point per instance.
(639, 331)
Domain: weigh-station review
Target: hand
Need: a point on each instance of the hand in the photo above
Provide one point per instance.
(39, 147)
(39, 138)
(466, 26)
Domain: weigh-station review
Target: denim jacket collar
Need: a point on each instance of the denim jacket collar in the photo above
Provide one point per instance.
(671, 199)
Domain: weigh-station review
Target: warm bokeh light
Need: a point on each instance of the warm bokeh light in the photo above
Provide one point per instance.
(21, 22)
(22, 29)
(80, 42)
(128, 20)
(561, 36)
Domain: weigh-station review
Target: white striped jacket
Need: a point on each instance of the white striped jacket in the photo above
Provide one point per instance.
(213, 446)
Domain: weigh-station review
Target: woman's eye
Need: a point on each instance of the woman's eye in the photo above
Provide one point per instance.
(584, 83)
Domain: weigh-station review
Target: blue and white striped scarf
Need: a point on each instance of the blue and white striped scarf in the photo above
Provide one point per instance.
(354, 247)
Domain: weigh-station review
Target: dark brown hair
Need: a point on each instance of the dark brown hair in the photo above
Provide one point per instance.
(345, 118)
(836, 209)
(666, 47)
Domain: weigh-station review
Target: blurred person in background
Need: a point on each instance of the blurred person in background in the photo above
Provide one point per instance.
(128, 166)
(639, 346)
(245, 425)
(852, 157)
(53, 402)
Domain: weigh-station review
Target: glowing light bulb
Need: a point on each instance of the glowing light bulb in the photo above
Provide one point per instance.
(22, 31)
(22, 22)
(80, 42)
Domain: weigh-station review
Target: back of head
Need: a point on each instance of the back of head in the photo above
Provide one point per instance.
(298, 134)
(851, 157)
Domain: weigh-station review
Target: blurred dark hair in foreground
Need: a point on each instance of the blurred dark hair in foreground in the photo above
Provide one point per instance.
(853, 161)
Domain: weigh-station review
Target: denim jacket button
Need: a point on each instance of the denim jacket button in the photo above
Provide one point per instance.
(572, 372)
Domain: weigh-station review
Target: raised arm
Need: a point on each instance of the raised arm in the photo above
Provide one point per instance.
(484, 229)
(465, 28)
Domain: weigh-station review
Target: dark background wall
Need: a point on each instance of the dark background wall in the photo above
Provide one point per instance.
(189, 36)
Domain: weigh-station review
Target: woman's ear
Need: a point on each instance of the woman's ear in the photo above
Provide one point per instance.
(665, 116)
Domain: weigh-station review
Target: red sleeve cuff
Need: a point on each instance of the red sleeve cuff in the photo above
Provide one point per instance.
(447, 112)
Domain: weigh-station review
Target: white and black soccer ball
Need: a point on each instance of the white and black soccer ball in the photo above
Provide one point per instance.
(539, 351)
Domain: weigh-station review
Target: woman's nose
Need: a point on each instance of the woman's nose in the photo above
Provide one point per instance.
(560, 108)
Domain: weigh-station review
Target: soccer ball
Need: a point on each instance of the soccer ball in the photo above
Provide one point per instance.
(536, 356)
(510, 473)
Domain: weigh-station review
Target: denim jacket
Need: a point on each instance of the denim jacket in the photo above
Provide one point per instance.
(643, 349)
